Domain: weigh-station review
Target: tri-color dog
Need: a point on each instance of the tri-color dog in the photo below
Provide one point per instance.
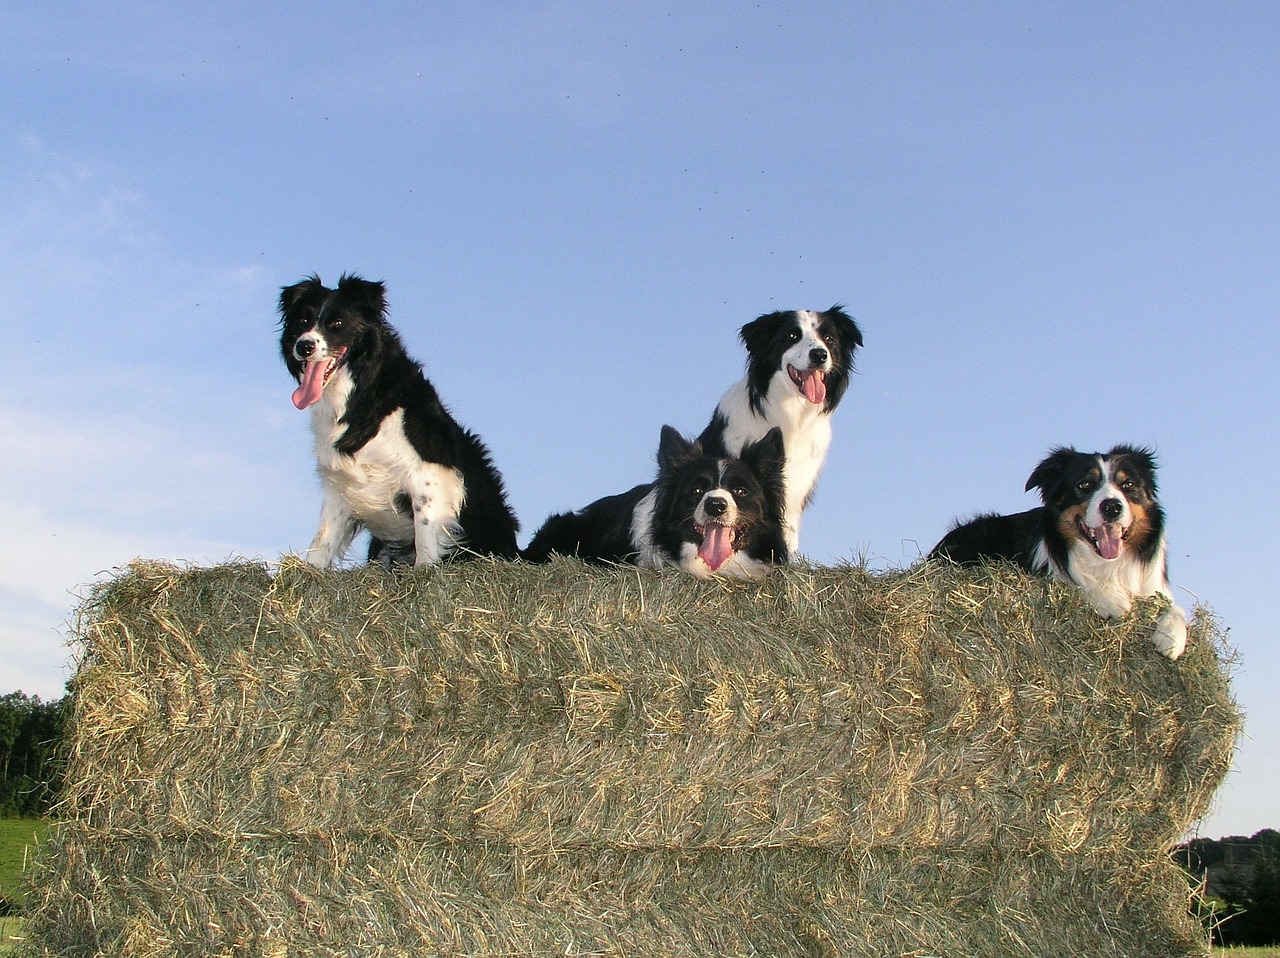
(1100, 529)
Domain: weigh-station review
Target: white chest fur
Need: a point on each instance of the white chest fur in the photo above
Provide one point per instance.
(806, 437)
(370, 488)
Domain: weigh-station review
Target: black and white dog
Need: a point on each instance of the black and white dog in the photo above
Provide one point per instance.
(798, 367)
(390, 456)
(708, 515)
(1101, 529)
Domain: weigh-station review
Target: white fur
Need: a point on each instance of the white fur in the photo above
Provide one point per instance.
(362, 489)
(647, 556)
(806, 426)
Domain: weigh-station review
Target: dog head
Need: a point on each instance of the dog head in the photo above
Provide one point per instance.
(810, 352)
(323, 330)
(1104, 500)
(720, 516)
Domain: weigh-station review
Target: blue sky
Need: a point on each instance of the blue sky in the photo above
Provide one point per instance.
(1056, 223)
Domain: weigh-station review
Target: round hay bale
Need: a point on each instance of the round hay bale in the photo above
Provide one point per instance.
(502, 759)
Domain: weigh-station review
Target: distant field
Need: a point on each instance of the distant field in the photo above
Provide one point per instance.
(17, 835)
(10, 935)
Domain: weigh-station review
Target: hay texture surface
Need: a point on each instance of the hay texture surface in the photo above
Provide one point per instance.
(504, 760)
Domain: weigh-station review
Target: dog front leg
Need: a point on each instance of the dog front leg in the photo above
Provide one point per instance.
(338, 527)
(1170, 634)
(436, 493)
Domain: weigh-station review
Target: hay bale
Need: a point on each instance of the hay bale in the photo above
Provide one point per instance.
(500, 759)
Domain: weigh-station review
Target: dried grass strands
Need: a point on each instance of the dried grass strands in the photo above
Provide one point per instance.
(502, 759)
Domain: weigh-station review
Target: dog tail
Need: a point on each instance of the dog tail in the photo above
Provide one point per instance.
(561, 535)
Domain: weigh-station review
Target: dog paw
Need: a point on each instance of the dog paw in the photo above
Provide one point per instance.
(1170, 635)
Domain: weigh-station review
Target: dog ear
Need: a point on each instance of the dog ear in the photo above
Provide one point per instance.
(767, 455)
(674, 450)
(850, 334)
(368, 295)
(1047, 474)
(757, 333)
(291, 296)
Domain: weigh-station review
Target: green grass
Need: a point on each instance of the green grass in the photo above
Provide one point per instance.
(17, 838)
(10, 935)
(1232, 952)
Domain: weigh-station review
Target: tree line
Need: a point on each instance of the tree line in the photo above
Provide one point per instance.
(1241, 878)
(31, 754)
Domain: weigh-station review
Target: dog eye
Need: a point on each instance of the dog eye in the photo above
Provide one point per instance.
(336, 324)
(794, 335)
(1084, 485)
(739, 492)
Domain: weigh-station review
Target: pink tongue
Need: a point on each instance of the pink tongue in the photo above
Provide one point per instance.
(312, 385)
(1108, 539)
(814, 386)
(717, 546)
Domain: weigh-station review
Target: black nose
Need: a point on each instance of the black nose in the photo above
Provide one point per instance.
(817, 356)
(304, 348)
(715, 506)
(1111, 509)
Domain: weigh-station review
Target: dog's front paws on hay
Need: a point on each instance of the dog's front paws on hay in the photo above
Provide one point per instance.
(1170, 635)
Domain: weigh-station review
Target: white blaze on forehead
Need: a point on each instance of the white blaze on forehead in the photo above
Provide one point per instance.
(1110, 487)
(810, 339)
(809, 323)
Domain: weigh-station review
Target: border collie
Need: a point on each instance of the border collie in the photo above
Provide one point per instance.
(391, 459)
(1100, 529)
(707, 515)
(798, 366)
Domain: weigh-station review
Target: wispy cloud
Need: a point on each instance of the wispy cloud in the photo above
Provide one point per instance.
(82, 499)
(133, 424)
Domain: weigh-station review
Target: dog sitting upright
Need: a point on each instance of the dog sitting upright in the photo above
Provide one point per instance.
(798, 367)
(390, 456)
(1100, 529)
(707, 515)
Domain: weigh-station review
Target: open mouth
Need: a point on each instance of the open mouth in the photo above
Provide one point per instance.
(718, 544)
(811, 382)
(1107, 539)
(315, 376)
